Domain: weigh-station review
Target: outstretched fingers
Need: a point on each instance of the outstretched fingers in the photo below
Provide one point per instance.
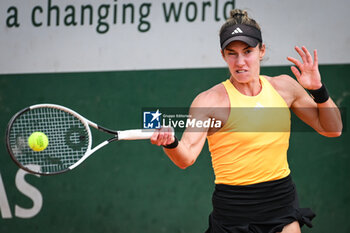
(307, 55)
(315, 58)
(306, 71)
(296, 72)
(307, 60)
(302, 53)
(295, 61)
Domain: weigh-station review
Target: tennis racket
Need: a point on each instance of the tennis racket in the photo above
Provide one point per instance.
(69, 137)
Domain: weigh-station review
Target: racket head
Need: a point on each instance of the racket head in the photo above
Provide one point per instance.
(68, 134)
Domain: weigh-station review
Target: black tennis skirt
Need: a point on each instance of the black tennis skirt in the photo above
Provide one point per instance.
(259, 208)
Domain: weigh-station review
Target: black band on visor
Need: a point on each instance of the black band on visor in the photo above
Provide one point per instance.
(241, 32)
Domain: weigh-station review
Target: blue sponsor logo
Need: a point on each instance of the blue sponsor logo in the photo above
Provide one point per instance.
(151, 120)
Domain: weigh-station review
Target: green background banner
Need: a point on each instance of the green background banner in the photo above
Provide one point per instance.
(131, 186)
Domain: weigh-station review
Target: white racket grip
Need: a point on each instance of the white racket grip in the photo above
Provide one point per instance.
(135, 134)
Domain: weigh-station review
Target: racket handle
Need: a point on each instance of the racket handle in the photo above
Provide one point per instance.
(135, 134)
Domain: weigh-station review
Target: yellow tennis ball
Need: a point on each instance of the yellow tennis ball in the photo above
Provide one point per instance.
(38, 141)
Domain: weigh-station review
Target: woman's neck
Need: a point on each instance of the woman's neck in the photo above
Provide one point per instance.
(251, 88)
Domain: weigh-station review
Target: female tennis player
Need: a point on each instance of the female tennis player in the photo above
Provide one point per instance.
(254, 191)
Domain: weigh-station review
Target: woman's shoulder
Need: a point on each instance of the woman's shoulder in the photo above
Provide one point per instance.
(286, 86)
(281, 82)
(216, 96)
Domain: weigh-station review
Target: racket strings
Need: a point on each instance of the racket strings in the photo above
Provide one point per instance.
(68, 139)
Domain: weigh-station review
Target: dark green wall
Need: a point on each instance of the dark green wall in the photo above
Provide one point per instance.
(132, 186)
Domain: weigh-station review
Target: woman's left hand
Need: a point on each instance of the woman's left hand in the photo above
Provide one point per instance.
(307, 72)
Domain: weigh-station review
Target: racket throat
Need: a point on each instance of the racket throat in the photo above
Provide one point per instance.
(115, 138)
(107, 130)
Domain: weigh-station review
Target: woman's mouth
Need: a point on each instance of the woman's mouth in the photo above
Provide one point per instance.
(241, 71)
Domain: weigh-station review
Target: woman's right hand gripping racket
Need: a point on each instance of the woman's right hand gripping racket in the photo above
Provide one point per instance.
(69, 138)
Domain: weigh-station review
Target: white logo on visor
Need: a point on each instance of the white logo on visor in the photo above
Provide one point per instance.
(236, 31)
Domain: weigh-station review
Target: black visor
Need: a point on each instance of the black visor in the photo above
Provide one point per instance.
(241, 32)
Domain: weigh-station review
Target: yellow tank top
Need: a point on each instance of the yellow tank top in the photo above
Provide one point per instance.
(252, 145)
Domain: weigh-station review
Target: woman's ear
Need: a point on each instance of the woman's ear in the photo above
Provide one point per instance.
(223, 54)
(262, 51)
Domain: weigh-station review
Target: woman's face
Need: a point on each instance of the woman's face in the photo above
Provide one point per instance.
(243, 61)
